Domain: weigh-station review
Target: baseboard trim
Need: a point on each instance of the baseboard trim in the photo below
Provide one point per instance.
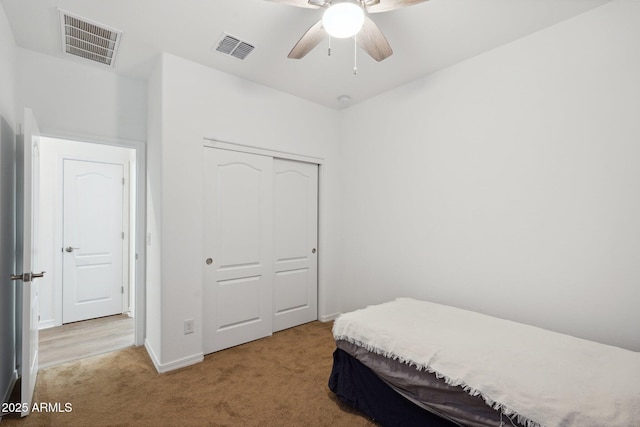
(46, 324)
(152, 355)
(171, 366)
(329, 317)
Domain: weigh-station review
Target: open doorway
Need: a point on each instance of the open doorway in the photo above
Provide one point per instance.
(88, 211)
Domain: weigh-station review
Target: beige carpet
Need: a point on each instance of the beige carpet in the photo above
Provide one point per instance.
(276, 381)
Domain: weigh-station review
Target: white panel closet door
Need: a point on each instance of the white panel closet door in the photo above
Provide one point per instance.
(295, 280)
(238, 195)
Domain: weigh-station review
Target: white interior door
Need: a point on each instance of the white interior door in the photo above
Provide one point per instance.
(27, 229)
(238, 194)
(93, 236)
(295, 283)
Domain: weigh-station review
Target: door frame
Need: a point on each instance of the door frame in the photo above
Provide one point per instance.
(139, 220)
(322, 237)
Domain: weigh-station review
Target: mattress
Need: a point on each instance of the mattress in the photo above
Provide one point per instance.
(427, 391)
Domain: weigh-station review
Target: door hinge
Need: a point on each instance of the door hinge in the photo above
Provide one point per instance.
(123, 235)
(122, 181)
(122, 290)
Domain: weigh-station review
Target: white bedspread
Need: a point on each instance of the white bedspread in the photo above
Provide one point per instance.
(544, 378)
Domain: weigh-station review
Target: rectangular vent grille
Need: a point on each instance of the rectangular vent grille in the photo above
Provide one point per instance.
(89, 40)
(233, 46)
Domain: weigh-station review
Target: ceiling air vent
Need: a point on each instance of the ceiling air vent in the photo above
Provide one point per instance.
(230, 45)
(89, 40)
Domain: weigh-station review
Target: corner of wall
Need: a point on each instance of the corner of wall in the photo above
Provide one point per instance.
(154, 215)
(329, 317)
(176, 364)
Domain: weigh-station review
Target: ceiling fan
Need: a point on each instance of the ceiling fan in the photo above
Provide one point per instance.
(347, 18)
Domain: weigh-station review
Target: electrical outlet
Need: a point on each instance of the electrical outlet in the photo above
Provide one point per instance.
(188, 326)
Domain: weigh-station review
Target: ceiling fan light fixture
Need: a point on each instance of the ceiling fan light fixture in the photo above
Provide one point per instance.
(342, 20)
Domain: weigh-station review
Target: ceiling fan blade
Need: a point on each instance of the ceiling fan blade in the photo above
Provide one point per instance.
(387, 5)
(297, 3)
(308, 41)
(371, 40)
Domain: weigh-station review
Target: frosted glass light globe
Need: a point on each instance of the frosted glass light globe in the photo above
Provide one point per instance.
(343, 20)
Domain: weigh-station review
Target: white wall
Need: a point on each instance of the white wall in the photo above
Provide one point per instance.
(7, 207)
(81, 101)
(200, 102)
(507, 184)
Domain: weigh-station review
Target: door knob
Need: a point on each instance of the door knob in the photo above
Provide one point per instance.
(70, 249)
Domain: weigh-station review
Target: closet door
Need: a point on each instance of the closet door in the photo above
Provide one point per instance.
(295, 236)
(238, 245)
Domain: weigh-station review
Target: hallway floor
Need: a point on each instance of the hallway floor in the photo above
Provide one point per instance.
(84, 339)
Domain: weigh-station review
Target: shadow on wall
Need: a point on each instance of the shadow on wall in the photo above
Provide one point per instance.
(7, 257)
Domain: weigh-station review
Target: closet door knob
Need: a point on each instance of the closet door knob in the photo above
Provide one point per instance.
(313, 251)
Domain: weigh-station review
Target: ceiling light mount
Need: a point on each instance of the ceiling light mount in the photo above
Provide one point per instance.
(325, 3)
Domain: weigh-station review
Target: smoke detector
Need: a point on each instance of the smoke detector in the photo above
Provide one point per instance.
(89, 40)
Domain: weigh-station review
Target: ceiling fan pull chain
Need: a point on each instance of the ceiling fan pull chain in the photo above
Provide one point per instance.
(355, 55)
(329, 52)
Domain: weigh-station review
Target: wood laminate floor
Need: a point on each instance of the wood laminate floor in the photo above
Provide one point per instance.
(84, 339)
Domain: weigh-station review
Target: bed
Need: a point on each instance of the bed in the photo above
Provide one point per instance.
(416, 363)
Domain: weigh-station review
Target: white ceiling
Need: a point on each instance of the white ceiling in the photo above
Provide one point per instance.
(425, 38)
